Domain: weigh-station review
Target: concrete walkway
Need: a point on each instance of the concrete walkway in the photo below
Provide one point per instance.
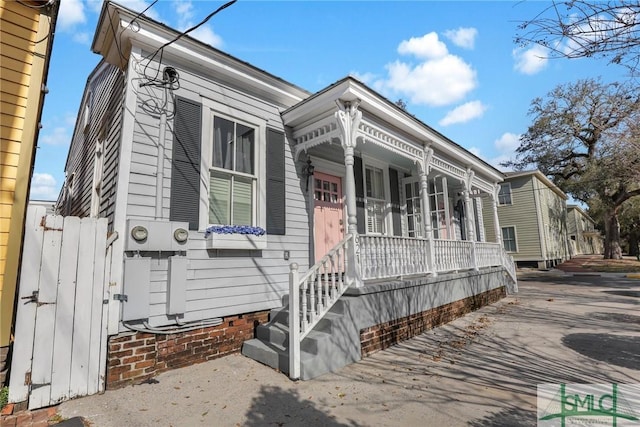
(480, 370)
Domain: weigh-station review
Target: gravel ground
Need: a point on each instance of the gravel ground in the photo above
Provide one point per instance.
(479, 370)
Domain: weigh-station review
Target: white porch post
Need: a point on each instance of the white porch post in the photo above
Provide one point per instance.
(496, 220)
(468, 208)
(348, 117)
(425, 165)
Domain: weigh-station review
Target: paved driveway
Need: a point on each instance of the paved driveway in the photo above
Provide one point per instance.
(480, 370)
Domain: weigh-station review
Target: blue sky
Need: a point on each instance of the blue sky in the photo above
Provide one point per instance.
(454, 63)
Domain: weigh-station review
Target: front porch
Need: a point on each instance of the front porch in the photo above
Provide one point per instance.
(395, 213)
(371, 318)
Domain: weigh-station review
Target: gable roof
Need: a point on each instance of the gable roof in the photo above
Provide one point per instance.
(116, 33)
(546, 181)
(581, 211)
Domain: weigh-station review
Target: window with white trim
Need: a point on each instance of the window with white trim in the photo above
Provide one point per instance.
(504, 196)
(375, 200)
(232, 179)
(233, 175)
(509, 239)
(438, 201)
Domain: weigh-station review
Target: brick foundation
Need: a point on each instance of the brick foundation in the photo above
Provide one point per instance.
(136, 357)
(384, 335)
(36, 418)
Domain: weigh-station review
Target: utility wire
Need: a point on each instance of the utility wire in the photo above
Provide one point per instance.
(179, 36)
(118, 38)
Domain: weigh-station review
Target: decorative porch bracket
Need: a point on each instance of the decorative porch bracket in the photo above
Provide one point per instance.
(348, 117)
(424, 166)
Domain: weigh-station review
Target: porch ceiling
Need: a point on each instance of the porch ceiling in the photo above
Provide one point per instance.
(334, 153)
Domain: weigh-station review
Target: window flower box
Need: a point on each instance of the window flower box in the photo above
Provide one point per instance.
(235, 237)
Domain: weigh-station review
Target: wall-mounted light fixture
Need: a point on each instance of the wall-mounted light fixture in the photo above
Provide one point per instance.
(307, 171)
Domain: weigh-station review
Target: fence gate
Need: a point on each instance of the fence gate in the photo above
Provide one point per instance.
(60, 343)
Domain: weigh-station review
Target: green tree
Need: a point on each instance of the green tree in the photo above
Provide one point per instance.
(585, 136)
(585, 29)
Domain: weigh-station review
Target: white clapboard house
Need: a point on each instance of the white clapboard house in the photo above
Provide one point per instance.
(230, 193)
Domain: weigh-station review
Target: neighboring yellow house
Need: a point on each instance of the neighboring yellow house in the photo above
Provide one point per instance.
(26, 38)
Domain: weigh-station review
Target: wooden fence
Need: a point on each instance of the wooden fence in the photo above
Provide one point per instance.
(59, 350)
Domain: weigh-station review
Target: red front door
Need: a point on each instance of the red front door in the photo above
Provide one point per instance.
(327, 213)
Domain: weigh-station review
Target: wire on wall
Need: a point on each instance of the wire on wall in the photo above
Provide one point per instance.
(179, 36)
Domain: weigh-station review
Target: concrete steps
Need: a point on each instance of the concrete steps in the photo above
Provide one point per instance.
(321, 350)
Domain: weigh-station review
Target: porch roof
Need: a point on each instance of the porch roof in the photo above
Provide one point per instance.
(323, 103)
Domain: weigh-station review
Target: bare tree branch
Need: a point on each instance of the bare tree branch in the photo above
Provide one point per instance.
(585, 29)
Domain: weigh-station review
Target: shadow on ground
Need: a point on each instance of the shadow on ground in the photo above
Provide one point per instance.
(275, 406)
(462, 364)
(512, 417)
(620, 350)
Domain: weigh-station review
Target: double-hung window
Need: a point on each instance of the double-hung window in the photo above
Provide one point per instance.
(233, 175)
(232, 179)
(504, 196)
(509, 239)
(374, 179)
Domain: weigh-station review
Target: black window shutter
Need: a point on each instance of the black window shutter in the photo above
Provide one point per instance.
(185, 163)
(395, 202)
(276, 207)
(359, 178)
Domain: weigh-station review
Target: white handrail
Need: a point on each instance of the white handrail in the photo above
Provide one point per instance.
(313, 295)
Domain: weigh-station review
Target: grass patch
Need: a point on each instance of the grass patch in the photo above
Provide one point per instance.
(4, 396)
(613, 265)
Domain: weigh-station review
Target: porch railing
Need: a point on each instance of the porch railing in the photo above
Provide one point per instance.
(386, 256)
(312, 295)
(488, 254)
(452, 255)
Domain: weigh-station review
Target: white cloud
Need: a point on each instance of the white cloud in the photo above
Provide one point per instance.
(59, 135)
(464, 113)
(44, 186)
(437, 78)
(71, 13)
(505, 150)
(495, 162)
(184, 10)
(508, 142)
(506, 146)
(426, 47)
(531, 61)
(95, 5)
(475, 151)
(435, 82)
(366, 78)
(205, 33)
(139, 6)
(82, 38)
(462, 37)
